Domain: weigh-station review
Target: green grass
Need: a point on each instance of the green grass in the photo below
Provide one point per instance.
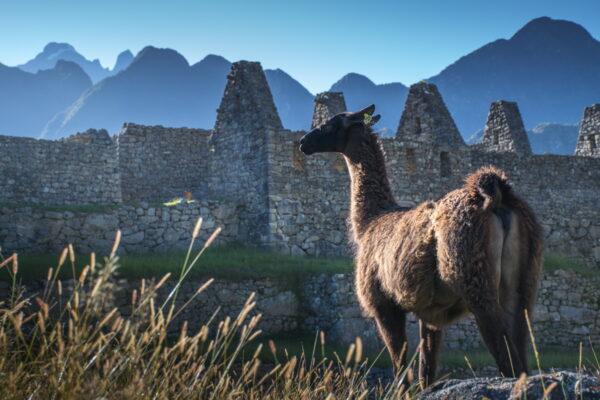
(227, 262)
(236, 262)
(556, 261)
(295, 344)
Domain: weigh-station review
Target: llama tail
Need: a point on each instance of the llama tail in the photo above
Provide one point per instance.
(491, 184)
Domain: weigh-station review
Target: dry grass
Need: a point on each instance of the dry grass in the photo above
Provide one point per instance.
(70, 342)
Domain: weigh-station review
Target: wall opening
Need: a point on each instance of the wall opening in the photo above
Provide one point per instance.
(445, 168)
(418, 130)
(411, 161)
(496, 140)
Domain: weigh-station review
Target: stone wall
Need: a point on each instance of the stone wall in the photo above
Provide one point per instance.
(504, 129)
(145, 228)
(327, 104)
(588, 142)
(239, 172)
(567, 312)
(425, 118)
(310, 195)
(157, 163)
(59, 172)
(291, 202)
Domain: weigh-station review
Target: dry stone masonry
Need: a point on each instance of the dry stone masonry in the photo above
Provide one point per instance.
(588, 142)
(327, 104)
(284, 200)
(567, 311)
(504, 129)
(426, 119)
(145, 228)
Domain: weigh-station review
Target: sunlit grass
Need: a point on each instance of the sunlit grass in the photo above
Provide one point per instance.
(69, 341)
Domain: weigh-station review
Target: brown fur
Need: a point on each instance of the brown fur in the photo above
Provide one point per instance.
(434, 261)
(477, 250)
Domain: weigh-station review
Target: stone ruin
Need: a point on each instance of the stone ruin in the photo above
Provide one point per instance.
(276, 197)
(504, 129)
(247, 103)
(588, 142)
(426, 119)
(327, 104)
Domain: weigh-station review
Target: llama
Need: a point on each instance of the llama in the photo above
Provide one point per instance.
(476, 250)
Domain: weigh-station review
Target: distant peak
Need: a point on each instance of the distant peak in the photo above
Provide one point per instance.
(123, 60)
(356, 78)
(54, 47)
(545, 27)
(277, 71)
(150, 55)
(214, 58)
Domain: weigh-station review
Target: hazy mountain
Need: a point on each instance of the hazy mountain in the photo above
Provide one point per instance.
(359, 91)
(551, 68)
(161, 88)
(63, 51)
(158, 88)
(29, 100)
(553, 138)
(123, 60)
(294, 103)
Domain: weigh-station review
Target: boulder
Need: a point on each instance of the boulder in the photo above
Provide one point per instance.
(569, 385)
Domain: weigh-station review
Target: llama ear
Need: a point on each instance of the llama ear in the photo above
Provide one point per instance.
(374, 120)
(367, 110)
(364, 115)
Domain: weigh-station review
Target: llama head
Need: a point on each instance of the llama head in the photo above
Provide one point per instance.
(340, 133)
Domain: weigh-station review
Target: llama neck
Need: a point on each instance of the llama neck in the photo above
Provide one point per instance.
(371, 194)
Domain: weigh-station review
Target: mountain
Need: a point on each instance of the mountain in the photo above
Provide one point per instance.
(123, 60)
(294, 103)
(359, 91)
(553, 138)
(64, 51)
(29, 100)
(160, 88)
(551, 68)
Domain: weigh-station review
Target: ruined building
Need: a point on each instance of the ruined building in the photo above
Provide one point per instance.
(588, 142)
(248, 174)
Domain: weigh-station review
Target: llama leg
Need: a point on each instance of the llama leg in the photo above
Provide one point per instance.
(526, 296)
(391, 322)
(521, 268)
(431, 339)
(497, 335)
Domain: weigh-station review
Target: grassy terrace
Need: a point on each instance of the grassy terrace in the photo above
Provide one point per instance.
(233, 262)
(227, 262)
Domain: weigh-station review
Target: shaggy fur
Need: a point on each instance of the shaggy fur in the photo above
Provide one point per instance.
(477, 250)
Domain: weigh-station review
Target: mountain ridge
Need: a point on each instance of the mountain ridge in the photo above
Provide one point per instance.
(551, 68)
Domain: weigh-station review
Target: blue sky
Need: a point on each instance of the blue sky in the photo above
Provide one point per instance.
(317, 42)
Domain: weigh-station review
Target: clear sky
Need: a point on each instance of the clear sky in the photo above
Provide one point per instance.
(316, 42)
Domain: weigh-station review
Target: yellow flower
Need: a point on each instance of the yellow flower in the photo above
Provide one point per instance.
(367, 119)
